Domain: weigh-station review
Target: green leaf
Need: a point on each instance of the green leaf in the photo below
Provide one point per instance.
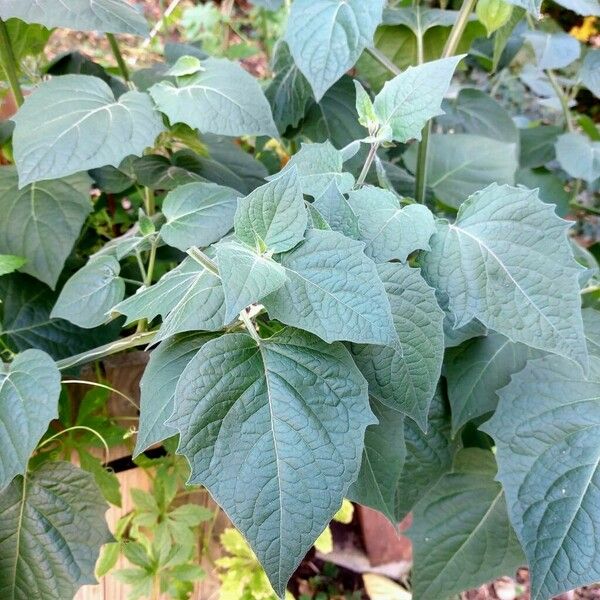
(591, 327)
(90, 293)
(410, 99)
(333, 291)
(10, 263)
(338, 214)
(507, 262)
(73, 123)
(109, 555)
(493, 14)
(289, 93)
(419, 19)
(26, 322)
(551, 188)
(428, 456)
(461, 164)
(247, 277)
(222, 99)
(273, 216)
(504, 34)
(29, 390)
(186, 65)
(548, 466)
(198, 214)
(404, 376)
(200, 308)
(43, 221)
(51, 528)
(364, 107)
(476, 370)
(158, 383)
(389, 231)
(579, 156)
(479, 114)
(553, 50)
(268, 418)
(318, 165)
(589, 73)
(158, 172)
(531, 6)
(107, 16)
(537, 145)
(26, 39)
(461, 534)
(106, 480)
(382, 462)
(326, 37)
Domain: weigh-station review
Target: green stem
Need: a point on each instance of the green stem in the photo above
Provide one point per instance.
(84, 428)
(562, 97)
(149, 202)
(9, 62)
(114, 46)
(132, 341)
(384, 60)
(104, 387)
(250, 326)
(204, 260)
(450, 47)
(367, 166)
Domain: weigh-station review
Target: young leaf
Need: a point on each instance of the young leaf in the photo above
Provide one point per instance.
(382, 462)
(579, 156)
(318, 165)
(428, 456)
(10, 263)
(337, 213)
(29, 390)
(504, 34)
(388, 230)
(107, 16)
(364, 107)
(42, 221)
(198, 214)
(479, 368)
(222, 99)
(333, 290)
(548, 466)
(507, 262)
(51, 528)
(493, 14)
(289, 93)
(461, 534)
(26, 322)
(247, 276)
(73, 123)
(90, 293)
(250, 414)
(158, 383)
(461, 164)
(409, 100)
(273, 217)
(105, 479)
(326, 37)
(404, 376)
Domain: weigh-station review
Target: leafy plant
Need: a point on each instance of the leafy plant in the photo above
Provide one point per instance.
(341, 300)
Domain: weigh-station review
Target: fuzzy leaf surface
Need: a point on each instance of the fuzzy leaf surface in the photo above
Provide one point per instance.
(74, 123)
(507, 262)
(283, 420)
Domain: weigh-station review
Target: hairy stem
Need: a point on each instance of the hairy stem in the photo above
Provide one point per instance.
(379, 56)
(132, 341)
(114, 46)
(562, 97)
(201, 258)
(450, 47)
(367, 166)
(9, 62)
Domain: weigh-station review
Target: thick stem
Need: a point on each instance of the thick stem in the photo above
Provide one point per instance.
(245, 317)
(450, 47)
(137, 339)
(114, 46)
(384, 60)
(564, 100)
(9, 62)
